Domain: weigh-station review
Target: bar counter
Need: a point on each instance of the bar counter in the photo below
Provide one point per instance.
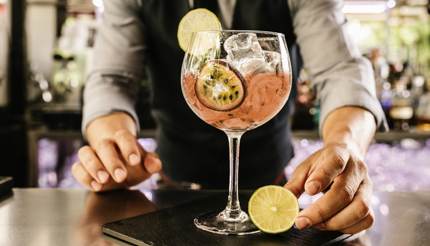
(74, 217)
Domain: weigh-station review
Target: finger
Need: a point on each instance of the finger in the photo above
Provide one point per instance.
(338, 197)
(364, 224)
(137, 174)
(108, 154)
(152, 163)
(297, 181)
(92, 164)
(83, 177)
(331, 162)
(356, 211)
(128, 146)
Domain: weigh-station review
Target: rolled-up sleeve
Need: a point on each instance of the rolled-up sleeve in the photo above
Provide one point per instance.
(117, 68)
(341, 76)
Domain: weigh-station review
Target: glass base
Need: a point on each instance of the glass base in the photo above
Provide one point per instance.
(220, 223)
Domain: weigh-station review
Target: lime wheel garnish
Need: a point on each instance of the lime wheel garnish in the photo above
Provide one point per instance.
(196, 20)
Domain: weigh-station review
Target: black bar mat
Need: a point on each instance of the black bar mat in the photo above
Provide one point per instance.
(174, 226)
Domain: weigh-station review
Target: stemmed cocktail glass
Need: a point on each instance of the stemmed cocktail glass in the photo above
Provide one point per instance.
(235, 81)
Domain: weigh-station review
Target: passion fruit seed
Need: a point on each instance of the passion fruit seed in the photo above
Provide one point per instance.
(220, 87)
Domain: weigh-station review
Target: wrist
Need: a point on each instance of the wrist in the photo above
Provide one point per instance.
(352, 146)
(353, 127)
(105, 127)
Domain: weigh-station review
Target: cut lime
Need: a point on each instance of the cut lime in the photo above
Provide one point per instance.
(198, 20)
(273, 209)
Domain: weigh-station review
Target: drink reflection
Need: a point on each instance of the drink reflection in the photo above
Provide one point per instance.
(107, 207)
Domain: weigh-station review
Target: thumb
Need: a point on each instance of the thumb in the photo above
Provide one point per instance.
(152, 163)
(297, 182)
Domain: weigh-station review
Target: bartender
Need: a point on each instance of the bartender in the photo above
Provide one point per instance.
(137, 39)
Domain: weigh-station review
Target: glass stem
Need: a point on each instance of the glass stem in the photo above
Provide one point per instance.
(232, 211)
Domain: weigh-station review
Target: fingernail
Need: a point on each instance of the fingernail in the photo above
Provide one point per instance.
(96, 186)
(134, 159)
(153, 164)
(312, 187)
(302, 223)
(103, 176)
(119, 174)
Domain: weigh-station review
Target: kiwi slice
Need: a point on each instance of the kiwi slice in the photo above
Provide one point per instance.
(220, 87)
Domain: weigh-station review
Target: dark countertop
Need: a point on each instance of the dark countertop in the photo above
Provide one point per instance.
(74, 217)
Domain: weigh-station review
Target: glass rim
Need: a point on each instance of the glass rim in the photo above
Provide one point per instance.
(241, 31)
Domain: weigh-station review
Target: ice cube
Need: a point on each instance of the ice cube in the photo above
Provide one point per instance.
(273, 59)
(269, 64)
(250, 66)
(243, 45)
(245, 52)
(269, 43)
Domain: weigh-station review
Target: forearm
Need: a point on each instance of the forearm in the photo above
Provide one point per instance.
(350, 126)
(113, 82)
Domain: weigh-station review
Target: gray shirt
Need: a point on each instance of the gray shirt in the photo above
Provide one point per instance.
(340, 75)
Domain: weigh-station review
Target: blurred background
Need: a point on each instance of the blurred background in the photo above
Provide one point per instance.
(46, 49)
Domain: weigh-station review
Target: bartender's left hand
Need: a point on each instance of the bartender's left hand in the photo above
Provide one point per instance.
(341, 173)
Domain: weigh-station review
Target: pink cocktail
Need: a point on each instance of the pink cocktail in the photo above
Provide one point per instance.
(266, 94)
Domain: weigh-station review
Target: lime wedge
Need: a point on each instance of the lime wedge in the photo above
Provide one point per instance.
(273, 209)
(194, 21)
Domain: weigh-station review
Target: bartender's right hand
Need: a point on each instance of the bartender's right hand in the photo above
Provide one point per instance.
(114, 158)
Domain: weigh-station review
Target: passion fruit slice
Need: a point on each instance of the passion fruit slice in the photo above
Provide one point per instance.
(220, 87)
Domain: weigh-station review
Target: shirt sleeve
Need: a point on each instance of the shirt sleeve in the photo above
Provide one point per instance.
(112, 82)
(341, 76)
